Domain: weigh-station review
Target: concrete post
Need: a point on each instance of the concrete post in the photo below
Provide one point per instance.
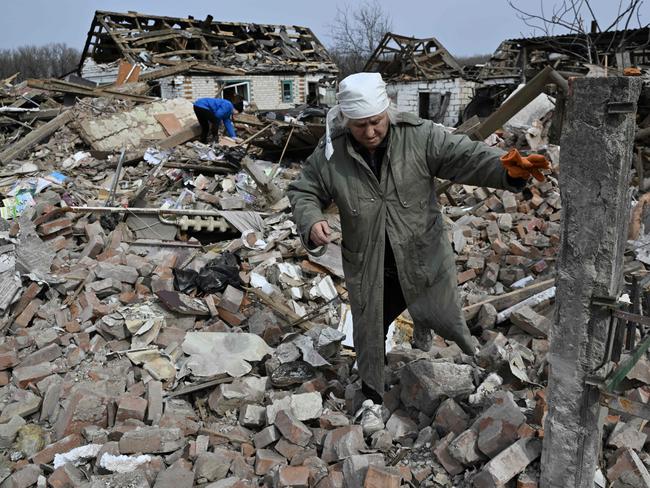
(596, 157)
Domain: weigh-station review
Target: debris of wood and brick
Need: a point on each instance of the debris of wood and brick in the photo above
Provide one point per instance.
(183, 337)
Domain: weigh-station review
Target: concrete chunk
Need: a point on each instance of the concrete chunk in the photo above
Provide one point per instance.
(9, 431)
(464, 448)
(627, 435)
(425, 383)
(355, 468)
(266, 459)
(307, 406)
(135, 479)
(342, 442)
(211, 466)
(531, 322)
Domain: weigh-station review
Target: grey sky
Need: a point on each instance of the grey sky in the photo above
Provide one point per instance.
(464, 26)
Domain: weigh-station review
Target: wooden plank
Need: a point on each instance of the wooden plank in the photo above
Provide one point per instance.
(501, 302)
(181, 137)
(17, 148)
(127, 73)
(170, 71)
(624, 406)
(170, 123)
(515, 103)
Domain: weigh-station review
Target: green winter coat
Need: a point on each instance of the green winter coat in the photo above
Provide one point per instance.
(403, 204)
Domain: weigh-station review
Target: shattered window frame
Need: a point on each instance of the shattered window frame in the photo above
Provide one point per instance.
(289, 98)
(236, 84)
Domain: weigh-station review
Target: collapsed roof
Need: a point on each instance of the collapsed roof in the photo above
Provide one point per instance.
(570, 53)
(407, 58)
(155, 40)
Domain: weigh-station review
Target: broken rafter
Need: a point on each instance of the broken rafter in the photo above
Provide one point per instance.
(128, 35)
(81, 90)
(16, 149)
(410, 57)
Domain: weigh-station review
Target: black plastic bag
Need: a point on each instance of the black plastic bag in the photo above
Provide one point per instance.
(185, 280)
(217, 274)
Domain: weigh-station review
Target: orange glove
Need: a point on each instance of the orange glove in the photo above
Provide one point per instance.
(524, 167)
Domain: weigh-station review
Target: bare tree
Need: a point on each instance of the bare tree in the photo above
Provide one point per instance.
(48, 61)
(356, 33)
(577, 17)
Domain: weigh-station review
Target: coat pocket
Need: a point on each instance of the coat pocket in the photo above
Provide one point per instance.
(432, 251)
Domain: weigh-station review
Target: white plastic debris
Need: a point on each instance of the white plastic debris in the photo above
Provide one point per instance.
(77, 455)
(122, 463)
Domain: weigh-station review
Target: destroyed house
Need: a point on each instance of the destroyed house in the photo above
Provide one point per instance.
(517, 61)
(569, 54)
(422, 77)
(271, 66)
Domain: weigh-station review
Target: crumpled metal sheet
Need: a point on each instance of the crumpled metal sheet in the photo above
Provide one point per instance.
(213, 353)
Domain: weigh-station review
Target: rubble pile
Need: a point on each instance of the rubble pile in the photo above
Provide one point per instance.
(179, 335)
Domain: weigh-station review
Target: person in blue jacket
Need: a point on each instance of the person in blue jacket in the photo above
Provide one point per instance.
(212, 111)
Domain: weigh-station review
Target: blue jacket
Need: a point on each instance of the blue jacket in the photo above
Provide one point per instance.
(222, 109)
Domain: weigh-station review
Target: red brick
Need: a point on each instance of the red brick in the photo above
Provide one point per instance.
(131, 408)
(83, 408)
(8, 359)
(30, 293)
(27, 315)
(23, 376)
(46, 456)
(466, 276)
(378, 477)
(293, 476)
(61, 225)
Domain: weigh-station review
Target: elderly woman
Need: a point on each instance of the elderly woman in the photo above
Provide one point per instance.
(378, 166)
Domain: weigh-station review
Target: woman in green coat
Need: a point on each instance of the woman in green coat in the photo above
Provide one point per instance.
(378, 167)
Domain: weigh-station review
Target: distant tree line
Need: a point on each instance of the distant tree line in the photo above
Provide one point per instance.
(48, 61)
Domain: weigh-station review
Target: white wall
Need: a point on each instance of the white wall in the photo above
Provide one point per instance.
(406, 95)
(265, 90)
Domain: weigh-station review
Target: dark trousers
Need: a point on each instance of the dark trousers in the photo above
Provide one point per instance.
(207, 119)
(394, 304)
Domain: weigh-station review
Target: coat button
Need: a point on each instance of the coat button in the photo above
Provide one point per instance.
(372, 200)
(404, 202)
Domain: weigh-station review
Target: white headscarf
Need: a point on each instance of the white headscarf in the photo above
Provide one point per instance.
(360, 95)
